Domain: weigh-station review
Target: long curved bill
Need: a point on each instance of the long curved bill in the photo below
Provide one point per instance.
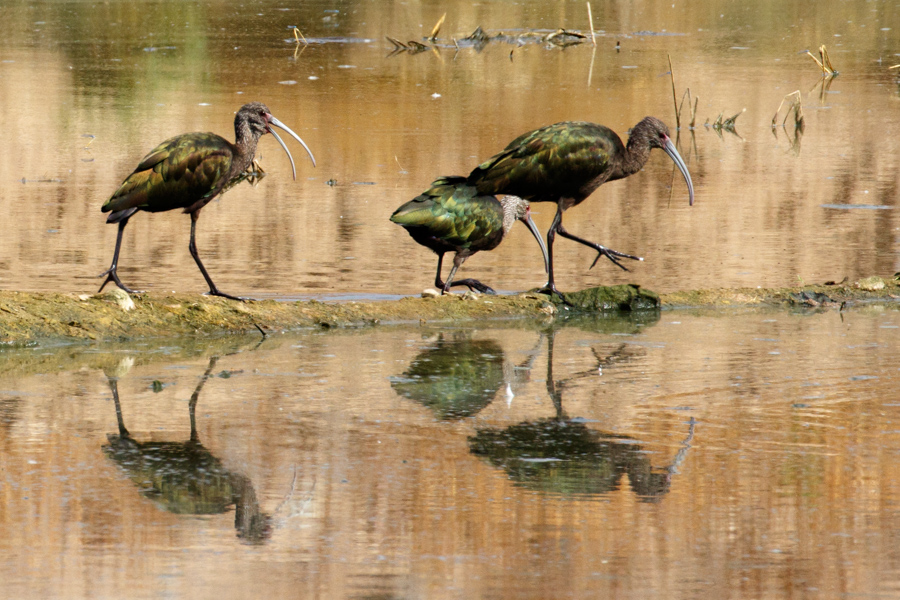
(273, 121)
(537, 235)
(669, 148)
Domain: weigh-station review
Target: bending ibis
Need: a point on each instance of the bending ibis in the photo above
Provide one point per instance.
(451, 216)
(187, 172)
(564, 163)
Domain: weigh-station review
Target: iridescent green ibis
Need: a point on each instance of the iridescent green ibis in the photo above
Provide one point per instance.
(452, 216)
(188, 171)
(564, 163)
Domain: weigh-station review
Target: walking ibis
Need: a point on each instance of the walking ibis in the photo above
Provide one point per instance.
(565, 162)
(452, 216)
(188, 171)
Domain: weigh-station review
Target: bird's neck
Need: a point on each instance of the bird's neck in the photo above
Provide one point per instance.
(636, 153)
(509, 204)
(245, 144)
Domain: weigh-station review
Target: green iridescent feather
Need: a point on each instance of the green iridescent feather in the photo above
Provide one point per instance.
(451, 216)
(551, 162)
(175, 174)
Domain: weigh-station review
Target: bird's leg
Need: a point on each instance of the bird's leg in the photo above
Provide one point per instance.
(213, 290)
(472, 284)
(550, 288)
(110, 273)
(437, 278)
(609, 253)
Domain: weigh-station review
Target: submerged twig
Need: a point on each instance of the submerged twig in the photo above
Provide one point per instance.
(795, 106)
(298, 36)
(727, 124)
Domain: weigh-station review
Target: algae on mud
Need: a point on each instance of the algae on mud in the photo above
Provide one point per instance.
(32, 317)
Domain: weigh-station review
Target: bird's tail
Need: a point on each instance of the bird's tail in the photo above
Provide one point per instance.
(120, 215)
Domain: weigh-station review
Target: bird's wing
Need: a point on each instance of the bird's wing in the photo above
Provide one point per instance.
(452, 212)
(176, 174)
(548, 163)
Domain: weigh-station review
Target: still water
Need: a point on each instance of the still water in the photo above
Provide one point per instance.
(673, 455)
(678, 455)
(88, 88)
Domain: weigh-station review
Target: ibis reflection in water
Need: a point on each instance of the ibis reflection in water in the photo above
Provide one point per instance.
(185, 477)
(188, 171)
(564, 455)
(456, 376)
(564, 163)
(451, 216)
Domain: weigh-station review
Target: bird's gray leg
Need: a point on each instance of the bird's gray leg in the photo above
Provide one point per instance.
(609, 253)
(472, 284)
(110, 273)
(213, 290)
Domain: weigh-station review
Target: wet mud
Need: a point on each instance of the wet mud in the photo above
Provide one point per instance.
(29, 318)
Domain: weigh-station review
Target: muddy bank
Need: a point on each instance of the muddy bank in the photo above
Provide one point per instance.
(30, 317)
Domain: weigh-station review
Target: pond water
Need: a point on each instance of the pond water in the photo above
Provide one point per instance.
(89, 88)
(673, 455)
(678, 454)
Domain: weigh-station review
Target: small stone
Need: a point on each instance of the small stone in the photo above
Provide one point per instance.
(548, 309)
(470, 295)
(431, 293)
(871, 284)
(121, 297)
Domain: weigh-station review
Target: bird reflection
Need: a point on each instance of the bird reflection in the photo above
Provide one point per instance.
(184, 477)
(458, 376)
(563, 455)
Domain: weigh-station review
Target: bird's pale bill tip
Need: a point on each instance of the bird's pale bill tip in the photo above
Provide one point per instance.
(280, 125)
(670, 149)
(537, 235)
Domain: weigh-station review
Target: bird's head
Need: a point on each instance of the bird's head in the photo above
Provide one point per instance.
(657, 135)
(256, 120)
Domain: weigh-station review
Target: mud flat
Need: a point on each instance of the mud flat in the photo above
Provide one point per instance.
(28, 318)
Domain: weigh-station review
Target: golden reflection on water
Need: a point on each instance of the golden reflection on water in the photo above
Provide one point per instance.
(748, 455)
(384, 127)
(685, 455)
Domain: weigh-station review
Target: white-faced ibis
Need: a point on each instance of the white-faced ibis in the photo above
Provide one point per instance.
(452, 216)
(564, 163)
(188, 171)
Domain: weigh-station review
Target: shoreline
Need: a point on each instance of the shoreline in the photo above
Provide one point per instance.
(28, 318)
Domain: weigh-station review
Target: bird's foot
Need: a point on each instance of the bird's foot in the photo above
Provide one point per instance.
(472, 284)
(613, 255)
(550, 290)
(216, 292)
(112, 277)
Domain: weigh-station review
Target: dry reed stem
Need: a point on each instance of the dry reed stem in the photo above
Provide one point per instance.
(433, 37)
(591, 23)
(674, 95)
(298, 36)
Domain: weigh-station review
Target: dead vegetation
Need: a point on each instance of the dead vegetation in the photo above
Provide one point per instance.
(480, 38)
(824, 62)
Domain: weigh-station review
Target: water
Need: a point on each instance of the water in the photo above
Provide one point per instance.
(115, 79)
(679, 454)
(683, 454)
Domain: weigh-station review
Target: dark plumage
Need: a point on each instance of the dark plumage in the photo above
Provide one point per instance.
(564, 163)
(188, 171)
(452, 216)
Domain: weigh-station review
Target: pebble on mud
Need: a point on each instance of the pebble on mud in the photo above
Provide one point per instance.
(871, 284)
